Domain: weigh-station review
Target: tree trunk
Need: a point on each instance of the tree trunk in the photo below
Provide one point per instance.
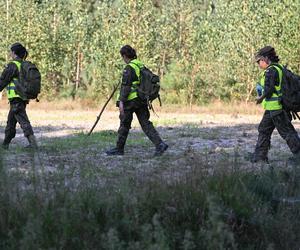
(162, 67)
(250, 90)
(193, 83)
(78, 68)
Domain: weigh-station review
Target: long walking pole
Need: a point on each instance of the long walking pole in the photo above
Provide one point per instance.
(103, 108)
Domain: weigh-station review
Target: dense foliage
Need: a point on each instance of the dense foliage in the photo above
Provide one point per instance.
(202, 49)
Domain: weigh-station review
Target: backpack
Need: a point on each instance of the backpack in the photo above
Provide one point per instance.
(29, 82)
(148, 89)
(290, 91)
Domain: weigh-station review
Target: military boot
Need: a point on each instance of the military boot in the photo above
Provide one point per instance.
(115, 151)
(253, 158)
(160, 149)
(5, 144)
(32, 142)
(263, 160)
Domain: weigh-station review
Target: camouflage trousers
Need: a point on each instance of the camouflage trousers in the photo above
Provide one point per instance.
(280, 120)
(142, 112)
(17, 113)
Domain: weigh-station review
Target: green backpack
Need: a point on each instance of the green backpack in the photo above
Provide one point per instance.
(148, 89)
(29, 82)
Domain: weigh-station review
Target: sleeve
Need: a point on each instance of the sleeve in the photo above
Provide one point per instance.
(271, 79)
(129, 76)
(10, 71)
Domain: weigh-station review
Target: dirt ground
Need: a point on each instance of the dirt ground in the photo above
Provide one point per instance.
(188, 134)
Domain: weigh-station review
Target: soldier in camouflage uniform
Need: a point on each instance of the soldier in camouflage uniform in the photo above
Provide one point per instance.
(130, 103)
(17, 112)
(275, 116)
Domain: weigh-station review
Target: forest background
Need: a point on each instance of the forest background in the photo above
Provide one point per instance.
(202, 50)
(203, 193)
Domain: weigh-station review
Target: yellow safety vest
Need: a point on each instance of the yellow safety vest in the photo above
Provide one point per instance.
(274, 102)
(11, 87)
(136, 65)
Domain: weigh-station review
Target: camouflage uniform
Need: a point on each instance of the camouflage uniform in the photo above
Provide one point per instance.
(142, 112)
(136, 106)
(282, 122)
(277, 118)
(17, 112)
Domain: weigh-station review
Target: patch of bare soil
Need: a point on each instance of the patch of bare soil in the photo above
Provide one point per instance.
(193, 138)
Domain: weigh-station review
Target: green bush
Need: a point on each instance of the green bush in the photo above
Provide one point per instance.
(202, 51)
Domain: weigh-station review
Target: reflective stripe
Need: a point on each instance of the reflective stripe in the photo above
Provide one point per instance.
(273, 99)
(11, 88)
(133, 93)
(134, 86)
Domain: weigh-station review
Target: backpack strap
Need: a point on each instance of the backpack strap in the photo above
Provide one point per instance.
(152, 108)
(279, 70)
(135, 64)
(139, 77)
(160, 103)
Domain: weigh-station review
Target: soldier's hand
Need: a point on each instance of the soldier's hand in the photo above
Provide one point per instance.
(259, 99)
(121, 108)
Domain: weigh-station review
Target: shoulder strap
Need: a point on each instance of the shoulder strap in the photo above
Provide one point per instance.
(133, 63)
(18, 64)
(139, 66)
(279, 70)
(130, 64)
(136, 68)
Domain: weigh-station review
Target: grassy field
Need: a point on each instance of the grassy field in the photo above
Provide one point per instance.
(201, 194)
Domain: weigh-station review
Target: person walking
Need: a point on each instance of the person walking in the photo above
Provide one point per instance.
(274, 116)
(17, 111)
(129, 103)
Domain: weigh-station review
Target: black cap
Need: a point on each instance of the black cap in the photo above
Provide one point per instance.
(19, 50)
(267, 51)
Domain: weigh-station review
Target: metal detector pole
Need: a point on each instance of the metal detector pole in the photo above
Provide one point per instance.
(103, 108)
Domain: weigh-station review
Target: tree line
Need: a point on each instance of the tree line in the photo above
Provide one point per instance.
(202, 50)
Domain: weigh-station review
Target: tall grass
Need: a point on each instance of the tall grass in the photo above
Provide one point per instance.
(216, 107)
(227, 208)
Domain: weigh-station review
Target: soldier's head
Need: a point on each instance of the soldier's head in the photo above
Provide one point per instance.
(265, 56)
(18, 50)
(128, 53)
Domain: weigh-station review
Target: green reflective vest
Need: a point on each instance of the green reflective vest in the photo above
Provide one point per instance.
(274, 102)
(11, 87)
(136, 65)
